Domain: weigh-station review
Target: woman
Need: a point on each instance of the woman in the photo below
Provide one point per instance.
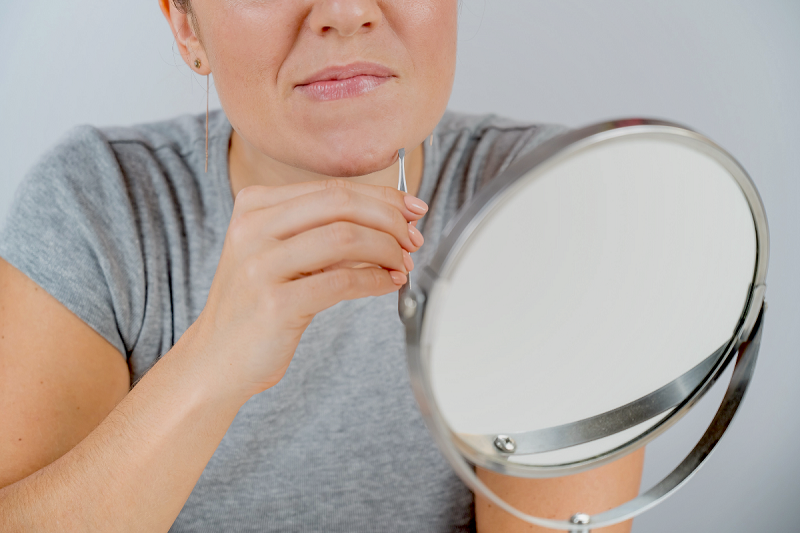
(210, 282)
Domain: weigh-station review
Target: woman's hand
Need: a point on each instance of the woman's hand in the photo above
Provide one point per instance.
(291, 252)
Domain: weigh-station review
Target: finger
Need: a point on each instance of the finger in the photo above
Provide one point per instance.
(260, 197)
(321, 291)
(408, 261)
(320, 248)
(351, 264)
(309, 211)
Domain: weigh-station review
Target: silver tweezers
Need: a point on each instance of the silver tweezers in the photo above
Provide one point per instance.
(401, 186)
(401, 182)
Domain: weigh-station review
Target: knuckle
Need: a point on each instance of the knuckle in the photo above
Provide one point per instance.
(339, 197)
(272, 302)
(246, 195)
(341, 233)
(342, 280)
(338, 183)
(376, 279)
(390, 244)
(394, 198)
(388, 194)
(252, 270)
(239, 228)
(400, 224)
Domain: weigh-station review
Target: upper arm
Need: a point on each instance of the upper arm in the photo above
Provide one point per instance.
(589, 492)
(58, 377)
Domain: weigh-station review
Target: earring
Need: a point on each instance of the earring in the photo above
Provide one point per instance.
(197, 64)
(207, 91)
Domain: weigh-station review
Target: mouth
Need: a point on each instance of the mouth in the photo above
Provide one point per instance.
(336, 83)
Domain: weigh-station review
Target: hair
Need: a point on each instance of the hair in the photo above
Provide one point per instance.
(184, 6)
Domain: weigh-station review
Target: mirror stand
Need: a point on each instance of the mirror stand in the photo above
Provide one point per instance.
(740, 380)
(616, 218)
(581, 519)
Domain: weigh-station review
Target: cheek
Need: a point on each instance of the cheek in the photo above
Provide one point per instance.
(429, 30)
(251, 45)
(246, 48)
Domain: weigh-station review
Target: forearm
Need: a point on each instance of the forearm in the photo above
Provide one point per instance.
(135, 471)
(137, 468)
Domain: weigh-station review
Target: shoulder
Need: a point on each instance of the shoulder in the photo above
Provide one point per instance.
(467, 152)
(487, 144)
(480, 126)
(103, 206)
(104, 169)
(179, 134)
(183, 135)
(470, 150)
(89, 148)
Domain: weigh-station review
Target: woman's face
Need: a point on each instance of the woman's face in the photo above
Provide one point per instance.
(335, 87)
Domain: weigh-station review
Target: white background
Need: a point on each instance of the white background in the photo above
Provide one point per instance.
(728, 68)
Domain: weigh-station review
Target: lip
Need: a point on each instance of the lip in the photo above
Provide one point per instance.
(337, 82)
(352, 70)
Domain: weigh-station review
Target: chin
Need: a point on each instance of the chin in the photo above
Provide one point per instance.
(353, 137)
(354, 167)
(351, 156)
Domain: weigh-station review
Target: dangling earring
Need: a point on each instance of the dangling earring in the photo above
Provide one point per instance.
(430, 140)
(207, 90)
(197, 64)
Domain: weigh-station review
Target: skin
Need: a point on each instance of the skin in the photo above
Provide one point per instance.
(256, 76)
(298, 242)
(589, 492)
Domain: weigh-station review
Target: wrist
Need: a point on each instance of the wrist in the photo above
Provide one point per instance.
(211, 377)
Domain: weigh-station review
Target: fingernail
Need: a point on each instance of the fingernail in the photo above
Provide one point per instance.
(398, 277)
(408, 261)
(415, 205)
(416, 236)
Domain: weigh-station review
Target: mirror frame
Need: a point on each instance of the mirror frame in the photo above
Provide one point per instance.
(745, 341)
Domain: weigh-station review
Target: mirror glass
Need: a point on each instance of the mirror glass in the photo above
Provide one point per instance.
(589, 299)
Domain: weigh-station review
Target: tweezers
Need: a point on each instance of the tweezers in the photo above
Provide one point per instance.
(401, 182)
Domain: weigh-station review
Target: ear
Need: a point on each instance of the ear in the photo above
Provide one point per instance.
(189, 45)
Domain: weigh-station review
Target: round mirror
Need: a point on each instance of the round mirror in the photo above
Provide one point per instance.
(585, 300)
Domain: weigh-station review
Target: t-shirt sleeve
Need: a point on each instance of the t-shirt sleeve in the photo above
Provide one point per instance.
(475, 149)
(504, 144)
(72, 230)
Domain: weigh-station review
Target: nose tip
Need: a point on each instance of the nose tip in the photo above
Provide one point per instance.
(345, 17)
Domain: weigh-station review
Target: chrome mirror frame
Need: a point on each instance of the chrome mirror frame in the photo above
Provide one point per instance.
(743, 345)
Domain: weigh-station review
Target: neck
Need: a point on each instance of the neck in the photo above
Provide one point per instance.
(248, 166)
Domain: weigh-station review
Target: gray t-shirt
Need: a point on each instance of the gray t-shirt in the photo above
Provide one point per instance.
(124, 227)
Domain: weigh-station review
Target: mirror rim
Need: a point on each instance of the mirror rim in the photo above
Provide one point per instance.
(413, 300)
